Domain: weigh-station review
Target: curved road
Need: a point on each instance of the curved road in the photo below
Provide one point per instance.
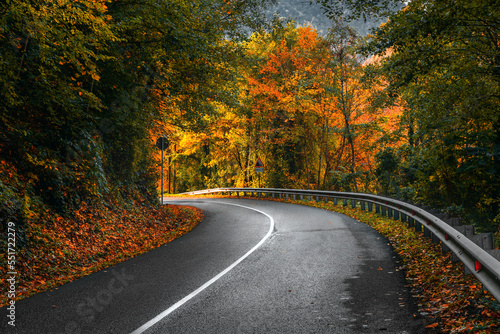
(248, 267)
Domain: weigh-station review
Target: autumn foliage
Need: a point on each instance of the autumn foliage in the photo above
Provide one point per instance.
(87, 86)
(302, 108)
(52, 250)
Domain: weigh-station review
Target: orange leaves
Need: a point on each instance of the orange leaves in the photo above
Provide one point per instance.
(65, 249)
(451, 301)
(308, 38)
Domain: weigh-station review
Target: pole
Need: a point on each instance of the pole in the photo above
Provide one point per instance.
(175, 170)
(162, 147)
(169, 175)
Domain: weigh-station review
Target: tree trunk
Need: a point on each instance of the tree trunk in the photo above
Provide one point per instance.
(346, 110)
(327, 160)
(320, 155)
(307, 165)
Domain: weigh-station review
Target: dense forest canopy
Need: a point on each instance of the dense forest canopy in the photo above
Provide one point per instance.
(411, 110)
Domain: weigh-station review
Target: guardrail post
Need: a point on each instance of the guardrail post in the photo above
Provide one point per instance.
(467, 230)
(353, 203)
(434, 238)
(417, 226)
(396, 215)
(301, 197)
(273, 195)
(317, 198)
(326, 199)
(452, 221)
(383, 211)
(377, 208)
(344, 202)
(335, 200)
(294, 197)
(370, 206)
(362, 204)
(483, 240)
(403, 217)
(287, 197)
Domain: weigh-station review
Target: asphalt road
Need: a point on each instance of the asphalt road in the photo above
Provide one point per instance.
(248, 267)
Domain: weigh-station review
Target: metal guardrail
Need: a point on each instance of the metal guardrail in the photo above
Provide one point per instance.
(482, 264)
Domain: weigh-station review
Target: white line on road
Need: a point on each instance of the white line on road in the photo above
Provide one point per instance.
(172, 308)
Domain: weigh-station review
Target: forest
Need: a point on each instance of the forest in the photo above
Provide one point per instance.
(87, 86)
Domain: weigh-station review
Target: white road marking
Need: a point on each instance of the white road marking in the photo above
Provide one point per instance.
(174, 307)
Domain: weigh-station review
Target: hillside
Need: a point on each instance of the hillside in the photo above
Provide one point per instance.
(304, 13)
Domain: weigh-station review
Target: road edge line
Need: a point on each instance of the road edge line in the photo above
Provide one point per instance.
(174, 307)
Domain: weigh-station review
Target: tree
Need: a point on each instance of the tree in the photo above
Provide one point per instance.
(50, 65)
(85, 85)
(444, 69)
(354, 9)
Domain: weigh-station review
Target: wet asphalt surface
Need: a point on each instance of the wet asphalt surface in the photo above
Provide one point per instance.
(317, 272)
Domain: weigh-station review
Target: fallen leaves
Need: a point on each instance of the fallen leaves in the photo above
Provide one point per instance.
(449, 300)
(62, 250)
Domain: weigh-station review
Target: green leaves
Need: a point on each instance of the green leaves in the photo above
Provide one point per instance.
(84, 82)
(441, 63)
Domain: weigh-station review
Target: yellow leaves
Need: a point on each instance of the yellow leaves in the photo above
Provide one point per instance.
(191, 142)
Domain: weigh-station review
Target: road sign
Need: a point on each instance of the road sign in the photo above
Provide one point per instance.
(162, 143)
(259, 166)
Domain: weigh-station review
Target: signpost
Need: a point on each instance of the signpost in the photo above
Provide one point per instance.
(259, 168)
(162, 144)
